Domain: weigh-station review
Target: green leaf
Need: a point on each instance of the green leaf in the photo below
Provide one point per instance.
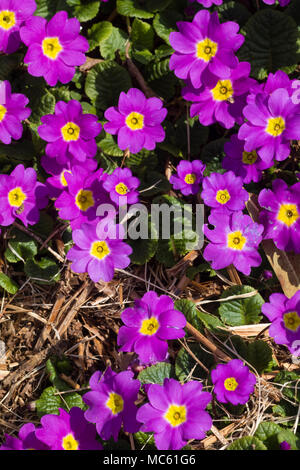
(115, 42)
(105, 82)
(109, 146)
(145, 440)
(84, 11)
(42, 102)
(99, 32)
(164, 23)
(190, 311)
(233, 11)
(44, 271)
(267, 433)
(291, 388)
(156, 374)
(143, 249)
(142, 35)
(271, 42)
(50, 402)
(8, 284)
(48, 8)
(241, 311)
(288, 436)
(247, 443)
(132, 8)
(20, 247)
(259, 355)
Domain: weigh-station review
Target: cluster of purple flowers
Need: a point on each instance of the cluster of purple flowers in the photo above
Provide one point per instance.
(175, 412)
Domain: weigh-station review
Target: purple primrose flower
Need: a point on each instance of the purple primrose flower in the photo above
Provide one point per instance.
(137, 121)
(234, 240)
(68, 431)
(26, 440)
(122, 186)
(99, 250)
(224, 192)
(21, 196)
(149, 325)
(13, 14)
(111, 403)
(70, 133)
(284, 313)
(233, 382)
(189, 176)
(54, 48)
(176, 413)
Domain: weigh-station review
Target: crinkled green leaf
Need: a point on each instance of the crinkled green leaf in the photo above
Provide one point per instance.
(271, 42)
(291, 388)
(233, 11)
(99, 32)
(259, 355)
(50, 401)
(286, 435)
(20, 247)
(8, 284)
(132, 8)
(247, 443)
(164, 23)
(156, 374)
(105, 82)
(109, 146)
(267, 432)
(116, 41)
(190, 311)
(142, 35)
(241, 311)
(84, 10)
(143, 249)
(44, 271)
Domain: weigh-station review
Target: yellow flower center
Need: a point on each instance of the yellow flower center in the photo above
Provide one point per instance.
(236, 240)
(135, 121)
(176, 415)
(149, 327)
(63, 178)
(288, 214)
(99, 249)
(69, 443)
(70, 131)
(230, 384)
(206, 49)
(222, 196)
(122, 189)
(190, 178)
(3, 111)
(291, 321)
(7, 19)
(84, 199)
(51, 47)
(223, 90)
(16, 197)
(115, 403)
(250, 157)
(275, 126)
